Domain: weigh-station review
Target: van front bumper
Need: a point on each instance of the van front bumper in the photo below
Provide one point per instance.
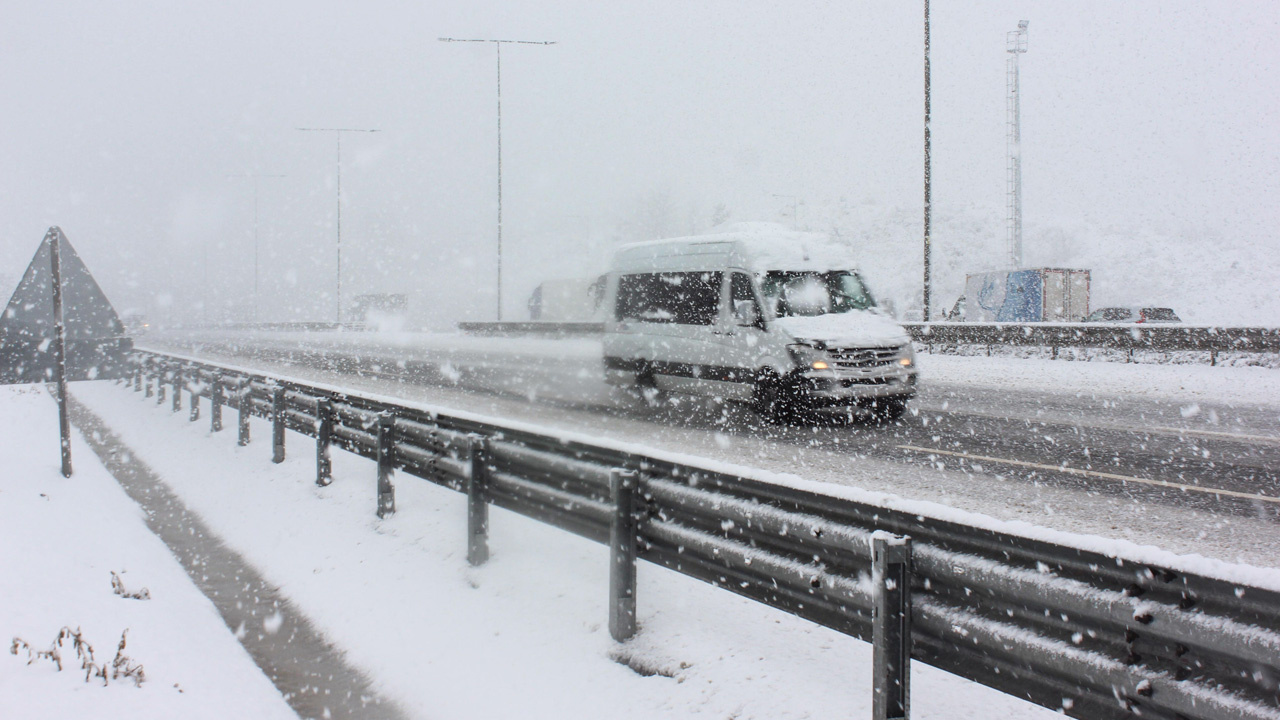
(828, 390)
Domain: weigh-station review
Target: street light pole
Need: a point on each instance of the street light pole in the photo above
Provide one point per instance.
(1016, 45)
(498, 46)
(337, 133)
(255, 177)
(928, 176)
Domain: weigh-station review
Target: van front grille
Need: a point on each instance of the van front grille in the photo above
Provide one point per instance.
(863, 358)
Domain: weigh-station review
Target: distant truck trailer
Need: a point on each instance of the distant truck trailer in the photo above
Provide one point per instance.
(1033, 295)
(566, 300)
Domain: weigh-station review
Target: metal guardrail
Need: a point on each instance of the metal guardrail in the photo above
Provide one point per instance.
(1092, 635)
(1052, 335)
(1099, 335)
(284, 326)
(532, 328)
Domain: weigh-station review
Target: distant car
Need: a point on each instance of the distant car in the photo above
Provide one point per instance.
(1134, 315)
(135, 323)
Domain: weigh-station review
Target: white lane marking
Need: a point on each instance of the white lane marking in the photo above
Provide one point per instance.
(1094, 473)
(1216, 433)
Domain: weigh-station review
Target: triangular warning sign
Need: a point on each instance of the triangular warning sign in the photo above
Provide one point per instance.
(94, 335)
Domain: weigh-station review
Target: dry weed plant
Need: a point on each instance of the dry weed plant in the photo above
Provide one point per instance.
(117, 586)
(122, 666)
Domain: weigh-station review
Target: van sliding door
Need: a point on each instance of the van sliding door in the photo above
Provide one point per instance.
(670, 318)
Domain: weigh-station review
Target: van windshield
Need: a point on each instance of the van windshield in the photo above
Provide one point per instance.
(799, 294)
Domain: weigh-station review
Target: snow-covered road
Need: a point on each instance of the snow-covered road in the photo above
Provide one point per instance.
(1117, 450)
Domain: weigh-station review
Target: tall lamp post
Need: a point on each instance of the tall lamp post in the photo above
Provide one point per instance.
(1017, 45)
(497, 44)
(256, 177)
(928, 176)
(337, 134)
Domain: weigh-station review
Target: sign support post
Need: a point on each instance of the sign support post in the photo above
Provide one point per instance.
(60, 350)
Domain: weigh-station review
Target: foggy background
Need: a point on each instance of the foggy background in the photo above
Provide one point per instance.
(1150, 149)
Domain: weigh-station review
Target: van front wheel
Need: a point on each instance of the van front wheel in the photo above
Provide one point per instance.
(887, 410)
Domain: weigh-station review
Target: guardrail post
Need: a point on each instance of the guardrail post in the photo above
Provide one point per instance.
(244, 401)
(477, 502)
(386, 464)
(622, 555)
(138, 381)
(177, 390)
(324, 434)
(160, 385)
(891, 628)
(277, 424)
(195, 398)
(215, 404)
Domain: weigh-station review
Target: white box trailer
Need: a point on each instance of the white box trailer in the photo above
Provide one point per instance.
(566, 300)
(1032, 295)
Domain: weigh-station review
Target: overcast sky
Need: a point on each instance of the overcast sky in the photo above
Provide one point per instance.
(123, 120)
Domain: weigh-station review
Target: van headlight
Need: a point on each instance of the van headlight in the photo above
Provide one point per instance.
(808, 357)
(908, 356)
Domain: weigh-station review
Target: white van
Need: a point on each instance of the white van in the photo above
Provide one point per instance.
(757, 313)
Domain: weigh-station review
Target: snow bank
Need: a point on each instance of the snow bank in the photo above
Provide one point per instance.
(60, 540)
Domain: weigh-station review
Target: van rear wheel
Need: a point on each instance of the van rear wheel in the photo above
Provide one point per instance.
(646, 385)
(770, 399)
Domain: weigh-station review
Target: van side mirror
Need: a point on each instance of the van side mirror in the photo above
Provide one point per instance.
(746, 313)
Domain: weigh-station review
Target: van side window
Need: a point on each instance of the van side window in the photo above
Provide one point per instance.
(740, 291)
(683, 298)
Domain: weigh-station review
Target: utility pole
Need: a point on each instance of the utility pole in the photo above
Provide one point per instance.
(497, 44)
(1016, 45)
(255, 177)
(337, 134)
(928, 177)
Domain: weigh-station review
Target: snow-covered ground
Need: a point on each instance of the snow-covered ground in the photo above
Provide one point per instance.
(60, 541)
(524, 636)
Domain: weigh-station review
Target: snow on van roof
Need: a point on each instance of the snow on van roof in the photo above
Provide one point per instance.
(765, 246)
